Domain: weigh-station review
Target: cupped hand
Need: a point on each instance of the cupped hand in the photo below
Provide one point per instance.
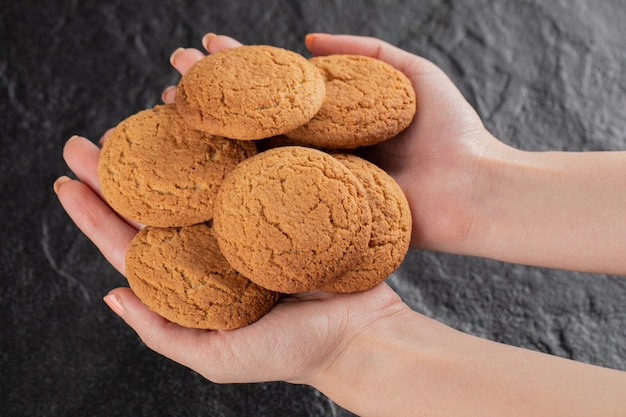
(441, 161)
(434, 161)
(301, 336)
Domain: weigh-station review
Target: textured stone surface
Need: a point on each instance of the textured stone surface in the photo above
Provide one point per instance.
(544, 74)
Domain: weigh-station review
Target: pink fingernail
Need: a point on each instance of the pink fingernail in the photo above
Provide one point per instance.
(60, 181)
(106, 135)
(114, 303)
(169, 94)
(174, 55)
(206, 40)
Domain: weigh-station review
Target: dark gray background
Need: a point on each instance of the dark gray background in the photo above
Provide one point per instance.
(543, 74)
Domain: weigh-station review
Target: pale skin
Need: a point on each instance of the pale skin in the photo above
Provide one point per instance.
(469, 194)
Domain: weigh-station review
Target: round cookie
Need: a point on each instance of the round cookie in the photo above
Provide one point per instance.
(250, 92)
(156, 170)
(180, 274)
(367, 101)
(391, 228)
(292, 218)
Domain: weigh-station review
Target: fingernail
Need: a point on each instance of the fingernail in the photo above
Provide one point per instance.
(174, 55)
(59, 182)
(114, 303)
(106, 135)
(70, 140)
(169, 94)
(207, 39)
(310, 38)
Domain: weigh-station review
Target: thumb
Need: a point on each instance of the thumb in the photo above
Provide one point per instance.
(327, 44)
(431, 84)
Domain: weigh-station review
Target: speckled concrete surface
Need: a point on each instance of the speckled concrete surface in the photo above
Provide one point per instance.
(543, 74)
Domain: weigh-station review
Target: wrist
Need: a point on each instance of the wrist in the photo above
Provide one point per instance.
(378, 371)
(489, 178)
(409, 365)
(453, 207)
(548, 209)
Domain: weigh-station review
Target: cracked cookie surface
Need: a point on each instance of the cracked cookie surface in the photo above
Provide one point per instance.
(158, 171)
(292, 218)
(180, 274)
(391, 228)
(250, 92)
(367, 101)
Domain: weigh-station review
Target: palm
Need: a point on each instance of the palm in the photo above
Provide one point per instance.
(299, 333)
(303, 331)
(444, 139)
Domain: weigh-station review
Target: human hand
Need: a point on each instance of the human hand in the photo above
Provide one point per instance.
(437, 160)
(472, 194)
(298, 338)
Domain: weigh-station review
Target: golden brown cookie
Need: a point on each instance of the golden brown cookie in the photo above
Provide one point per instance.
(250, 92)
(367, 101)
(158, 171)
(180, 274)
(292, 218)
(391, 228)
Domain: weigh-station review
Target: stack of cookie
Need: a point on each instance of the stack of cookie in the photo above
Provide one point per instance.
(228, 227)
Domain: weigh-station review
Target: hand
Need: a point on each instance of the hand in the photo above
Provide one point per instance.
(435, 160)
(299, 327)
(298, 338)
(471, 194)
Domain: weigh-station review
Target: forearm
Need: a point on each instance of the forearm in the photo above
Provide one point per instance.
(418, 367)
(556, 209)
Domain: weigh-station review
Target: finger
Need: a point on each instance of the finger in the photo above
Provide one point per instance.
(81, 156)
(159, 334)
(327, 44)
(105, 136)
(434, 89)
(204, 351)
(111, 234)
(169, 95)
(183, 58)
(215, 43)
